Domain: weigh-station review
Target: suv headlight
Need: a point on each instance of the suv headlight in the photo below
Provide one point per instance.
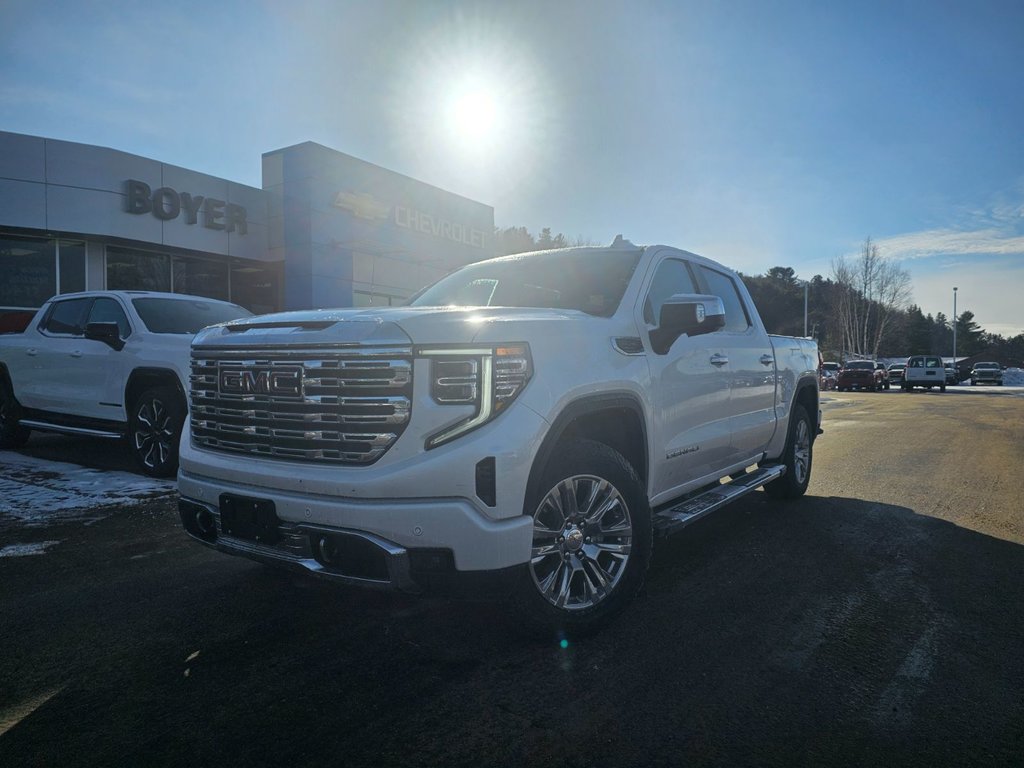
(489, 378)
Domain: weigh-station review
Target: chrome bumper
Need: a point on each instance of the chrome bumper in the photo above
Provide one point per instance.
(301, 549)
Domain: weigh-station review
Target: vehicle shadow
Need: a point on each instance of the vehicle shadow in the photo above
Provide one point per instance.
(88, 452)
(827, 631)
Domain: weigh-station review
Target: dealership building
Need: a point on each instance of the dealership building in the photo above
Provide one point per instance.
(325, 230)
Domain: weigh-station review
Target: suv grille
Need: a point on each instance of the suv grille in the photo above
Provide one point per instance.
(338, 407)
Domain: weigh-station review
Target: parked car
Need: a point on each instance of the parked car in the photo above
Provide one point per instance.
(826, 380)
(951, 374)
(832, 368)
(109, 364)
(924, 371)
(861, 374)
(986, 373)
(896, 373)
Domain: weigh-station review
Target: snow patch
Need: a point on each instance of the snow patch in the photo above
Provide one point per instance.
(23, 550)
(37, 492)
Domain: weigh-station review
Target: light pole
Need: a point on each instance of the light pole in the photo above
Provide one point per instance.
(954, 326)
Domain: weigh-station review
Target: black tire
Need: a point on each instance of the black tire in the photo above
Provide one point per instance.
(798, 457)
(577, 579)
(154, 430)
(12, 434)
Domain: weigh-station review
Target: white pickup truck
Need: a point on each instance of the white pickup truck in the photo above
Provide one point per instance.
(534, 418)
(109, 364)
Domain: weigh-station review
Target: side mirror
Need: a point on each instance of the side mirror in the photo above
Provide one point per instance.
(690, 314)
(108, 333)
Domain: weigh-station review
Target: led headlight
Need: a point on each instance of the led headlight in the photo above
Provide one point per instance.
(489, 378)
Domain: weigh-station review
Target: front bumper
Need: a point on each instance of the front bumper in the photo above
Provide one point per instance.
(404, 530)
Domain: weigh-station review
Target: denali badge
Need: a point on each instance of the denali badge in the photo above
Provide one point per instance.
(281, 382)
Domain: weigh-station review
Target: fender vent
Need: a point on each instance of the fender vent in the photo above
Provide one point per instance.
(629, 345)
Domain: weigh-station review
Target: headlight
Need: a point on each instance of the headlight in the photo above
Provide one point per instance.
(489, 378)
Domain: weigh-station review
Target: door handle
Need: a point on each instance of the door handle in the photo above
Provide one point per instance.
(719, 360)
(32, 351)
(76, 353)
(767, 359)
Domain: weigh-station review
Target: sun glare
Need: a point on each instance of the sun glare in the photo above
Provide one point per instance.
(473, 115)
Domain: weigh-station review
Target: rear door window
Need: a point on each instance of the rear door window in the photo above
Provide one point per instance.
(67, 317)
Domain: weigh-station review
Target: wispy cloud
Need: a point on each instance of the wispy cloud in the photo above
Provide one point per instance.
(951, 242)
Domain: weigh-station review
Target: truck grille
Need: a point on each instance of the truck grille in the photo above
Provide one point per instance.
(344, 406)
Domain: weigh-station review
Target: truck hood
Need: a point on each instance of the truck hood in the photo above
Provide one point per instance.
(384, 326)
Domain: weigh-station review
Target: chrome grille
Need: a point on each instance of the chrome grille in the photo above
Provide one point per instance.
(349, 406)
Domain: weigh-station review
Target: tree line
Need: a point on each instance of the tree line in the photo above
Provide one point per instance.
(862, 309)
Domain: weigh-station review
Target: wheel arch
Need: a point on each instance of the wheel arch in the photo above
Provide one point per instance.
(615, 419)
(807, 395)
(142, 379)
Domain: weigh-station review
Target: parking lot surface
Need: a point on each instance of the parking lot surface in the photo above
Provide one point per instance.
(875, 622)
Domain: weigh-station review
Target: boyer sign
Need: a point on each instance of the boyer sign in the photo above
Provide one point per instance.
(167, 204)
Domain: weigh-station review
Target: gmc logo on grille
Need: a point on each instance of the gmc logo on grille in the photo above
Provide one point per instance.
(286, 382)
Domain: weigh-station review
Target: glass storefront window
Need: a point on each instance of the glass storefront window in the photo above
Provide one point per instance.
(138, 270)
(257, 286)
(72, 266)
(29, 269)
(201, 277)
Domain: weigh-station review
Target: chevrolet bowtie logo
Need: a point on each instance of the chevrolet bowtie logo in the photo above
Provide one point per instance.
(362, 205)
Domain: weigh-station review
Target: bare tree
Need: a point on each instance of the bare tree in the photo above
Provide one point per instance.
(871, 291)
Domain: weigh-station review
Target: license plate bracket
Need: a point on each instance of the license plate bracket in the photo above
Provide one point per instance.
(252, 519)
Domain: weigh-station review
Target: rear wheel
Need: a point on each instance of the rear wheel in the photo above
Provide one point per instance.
(592, 540)
(155, 430)
(797, 457)
(12, 434)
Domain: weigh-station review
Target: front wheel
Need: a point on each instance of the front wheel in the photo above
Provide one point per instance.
(592, 540)
(797, 457)
(155, 430)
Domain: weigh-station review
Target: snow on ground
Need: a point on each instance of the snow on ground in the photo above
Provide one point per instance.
(22, 550)
(1013, 377)
(36, 492)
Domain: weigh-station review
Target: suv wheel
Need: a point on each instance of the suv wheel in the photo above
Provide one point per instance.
(12, 434)
(592, 540)
(797, 457)
(155, 430)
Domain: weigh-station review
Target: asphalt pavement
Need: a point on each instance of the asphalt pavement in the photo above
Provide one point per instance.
(875, 622)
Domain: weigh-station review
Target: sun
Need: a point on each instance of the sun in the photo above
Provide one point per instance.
(473, 114)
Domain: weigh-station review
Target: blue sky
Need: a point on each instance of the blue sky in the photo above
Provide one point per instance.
(757, 133)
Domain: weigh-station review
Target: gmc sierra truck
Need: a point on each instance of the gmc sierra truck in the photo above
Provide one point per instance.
(535, 418)
(108, 364)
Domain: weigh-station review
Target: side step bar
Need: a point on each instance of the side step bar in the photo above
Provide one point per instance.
(45, 426)
(671, 519)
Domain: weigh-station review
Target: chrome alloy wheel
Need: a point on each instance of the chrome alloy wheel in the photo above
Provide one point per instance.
(801, 451)
(154, 433)
(582, 537)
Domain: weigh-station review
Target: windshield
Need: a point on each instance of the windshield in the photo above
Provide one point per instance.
(986, 365)
(591, 281)
(185, 315)
(860, 366)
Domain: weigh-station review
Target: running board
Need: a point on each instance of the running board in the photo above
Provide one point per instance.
(45, 426)
(673, 518)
